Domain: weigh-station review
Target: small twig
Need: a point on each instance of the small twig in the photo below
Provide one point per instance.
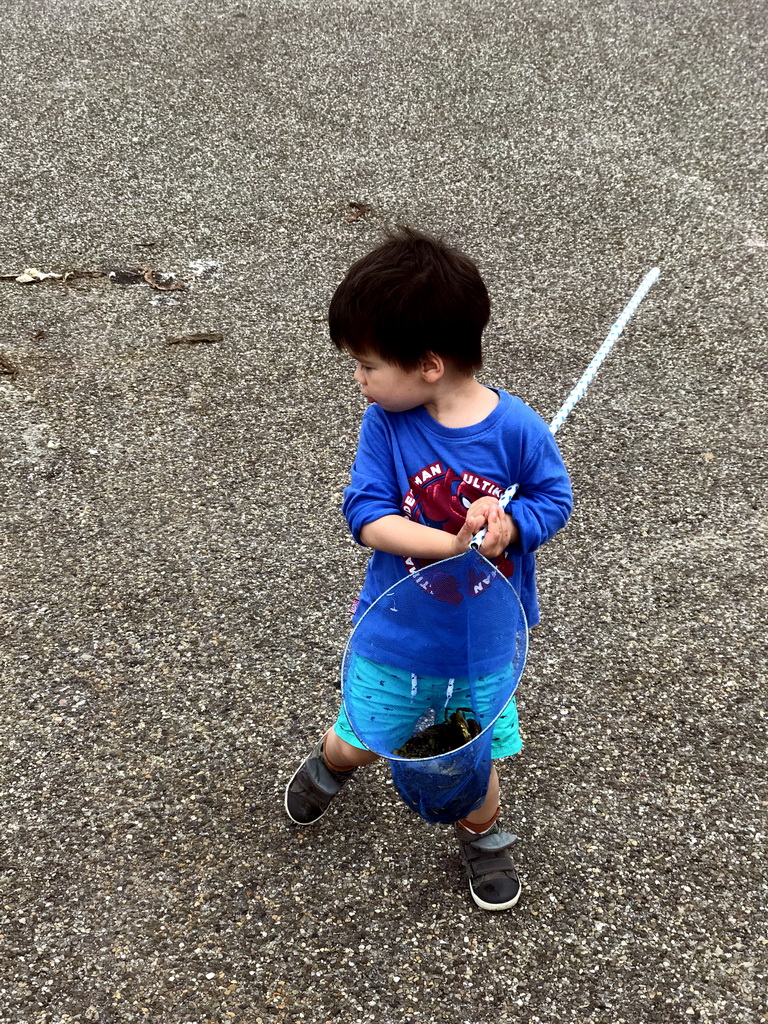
(196, 339)
(83, 273)
(360, 211)
(7, 368)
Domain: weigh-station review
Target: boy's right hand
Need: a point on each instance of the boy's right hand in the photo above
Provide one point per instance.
(501, 531)
(461, 540)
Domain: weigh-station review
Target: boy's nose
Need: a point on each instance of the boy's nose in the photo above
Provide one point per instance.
(359, 375)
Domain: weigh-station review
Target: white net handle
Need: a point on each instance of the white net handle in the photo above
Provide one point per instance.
(586, 379)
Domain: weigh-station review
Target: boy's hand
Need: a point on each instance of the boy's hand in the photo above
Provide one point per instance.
(501, 530)
(401, 536)
(460, 542)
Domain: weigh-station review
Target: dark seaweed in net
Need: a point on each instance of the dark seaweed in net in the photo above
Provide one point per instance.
(456, 731)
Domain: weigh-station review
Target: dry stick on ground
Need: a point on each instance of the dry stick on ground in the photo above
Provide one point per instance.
(7, 368)
(196, 339)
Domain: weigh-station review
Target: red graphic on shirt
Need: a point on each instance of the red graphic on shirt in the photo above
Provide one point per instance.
(439, 497)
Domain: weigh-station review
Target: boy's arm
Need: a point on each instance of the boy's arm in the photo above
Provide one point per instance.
(373, 493)
(542, 505)
(544, 500)
(400, 536)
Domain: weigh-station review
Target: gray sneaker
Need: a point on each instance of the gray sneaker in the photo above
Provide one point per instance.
(493, 879)
(310, 791)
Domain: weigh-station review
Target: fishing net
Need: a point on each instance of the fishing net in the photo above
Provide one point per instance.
(433, 662)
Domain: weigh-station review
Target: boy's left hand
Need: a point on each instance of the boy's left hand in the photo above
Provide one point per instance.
(501, 530)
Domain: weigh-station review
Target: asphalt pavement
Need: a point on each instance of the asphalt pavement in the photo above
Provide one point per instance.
(175, 573)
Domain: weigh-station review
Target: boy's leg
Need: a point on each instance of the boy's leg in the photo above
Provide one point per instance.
(320, 777)
(335, 758)
(481, 819)
(342, 755)
(484, 850)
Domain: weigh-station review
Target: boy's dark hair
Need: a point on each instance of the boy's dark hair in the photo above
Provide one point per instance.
(412, 295)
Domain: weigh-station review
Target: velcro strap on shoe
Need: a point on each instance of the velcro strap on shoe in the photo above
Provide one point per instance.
(487, 867)
(322, 777)
(493, 842)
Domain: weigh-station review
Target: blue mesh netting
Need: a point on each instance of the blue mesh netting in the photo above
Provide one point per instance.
(451, 635)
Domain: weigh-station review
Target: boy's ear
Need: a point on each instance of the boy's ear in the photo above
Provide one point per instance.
(432, 367)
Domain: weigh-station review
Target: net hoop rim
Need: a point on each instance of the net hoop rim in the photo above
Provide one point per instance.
(524, 631)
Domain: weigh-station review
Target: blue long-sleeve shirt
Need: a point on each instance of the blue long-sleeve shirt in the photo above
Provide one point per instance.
(409, 464)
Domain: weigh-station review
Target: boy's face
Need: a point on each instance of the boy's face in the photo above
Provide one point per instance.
(388, 385)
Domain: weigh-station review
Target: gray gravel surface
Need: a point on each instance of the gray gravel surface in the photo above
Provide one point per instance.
(175, 570)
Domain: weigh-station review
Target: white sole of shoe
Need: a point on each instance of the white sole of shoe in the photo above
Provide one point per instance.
(494, 906)
(285, 798)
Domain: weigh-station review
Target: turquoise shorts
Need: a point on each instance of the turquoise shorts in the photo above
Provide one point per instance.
(401, 690)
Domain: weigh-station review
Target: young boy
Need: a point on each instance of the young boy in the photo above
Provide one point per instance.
(411, 315)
